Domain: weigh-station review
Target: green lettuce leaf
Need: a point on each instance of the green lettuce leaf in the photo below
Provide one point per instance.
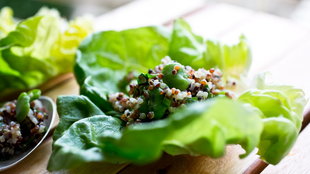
(39, 49)
(118, 51)
(282, 109)
(296, 97)
(7, 23)
(201, 128)
(233, 60)
(78, 134)
(190, 49)
(210, 127)
(98, 87)
(72, 109)
(186, 47)
(81, 142)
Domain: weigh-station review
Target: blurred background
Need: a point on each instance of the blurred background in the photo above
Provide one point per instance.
(297, 10)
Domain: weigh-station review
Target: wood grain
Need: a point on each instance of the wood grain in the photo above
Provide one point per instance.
(141, 13)
(257, 167)
(228, 164)
(97, 168)
(48, 85)
(293, 68)
(217, 20)
(68, 87)
(271, 38)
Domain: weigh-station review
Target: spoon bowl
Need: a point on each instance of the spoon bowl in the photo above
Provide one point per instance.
(51, 111)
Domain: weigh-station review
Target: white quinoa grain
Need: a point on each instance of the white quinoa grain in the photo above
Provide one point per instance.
(32, 117)
(140, 100)
(142, 116)
(202, 94)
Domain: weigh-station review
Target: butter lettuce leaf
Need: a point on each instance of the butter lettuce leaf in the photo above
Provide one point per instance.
(73, 108)
(234, 60)
(118, 50)
(191, 49)
(78, 134)
(186, 47)
(282, 110)
(81, 142)
(98, 87)
(39, 48)
(7, 23)
(201, 128)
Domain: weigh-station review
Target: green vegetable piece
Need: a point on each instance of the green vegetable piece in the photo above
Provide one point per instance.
(156, 103)
(23, 103)
(161, 105)
(22, 106)
(143, 79)
(177, 80)
(34, 94)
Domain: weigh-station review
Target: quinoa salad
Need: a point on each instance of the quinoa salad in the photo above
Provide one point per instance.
(162, 90)
(20, 132)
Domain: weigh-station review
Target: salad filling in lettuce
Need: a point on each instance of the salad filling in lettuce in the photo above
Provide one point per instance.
(158, 93)
(132, 109)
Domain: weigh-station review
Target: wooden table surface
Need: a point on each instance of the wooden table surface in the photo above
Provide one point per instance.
(278, 45)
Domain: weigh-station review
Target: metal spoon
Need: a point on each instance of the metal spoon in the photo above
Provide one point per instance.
(51, 111)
